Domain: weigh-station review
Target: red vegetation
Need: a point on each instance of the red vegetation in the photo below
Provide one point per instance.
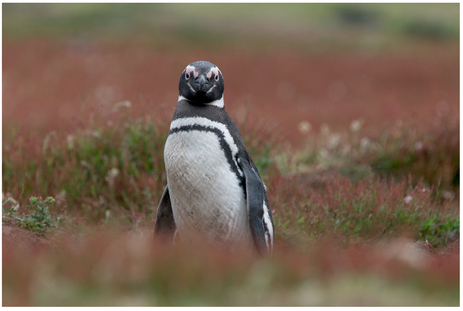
(109, 262)
(65, 86)
(47, 85)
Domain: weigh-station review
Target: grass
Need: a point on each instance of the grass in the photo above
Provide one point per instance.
(97, 171)
(127, 269)
(364, 215)
(427, 151)
(111, 175)
(401, 180)
(369, 209)
(145, 275)
(116, 171)
(341, 220)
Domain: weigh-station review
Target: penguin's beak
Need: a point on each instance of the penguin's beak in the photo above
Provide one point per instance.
(201, 84)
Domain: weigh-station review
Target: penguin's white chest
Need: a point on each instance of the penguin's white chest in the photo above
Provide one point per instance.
(208, 202)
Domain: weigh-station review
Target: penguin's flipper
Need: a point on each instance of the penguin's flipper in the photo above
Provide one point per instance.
(165, 225)
(255, 194)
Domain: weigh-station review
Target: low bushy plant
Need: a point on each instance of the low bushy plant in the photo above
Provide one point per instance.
(39, 221)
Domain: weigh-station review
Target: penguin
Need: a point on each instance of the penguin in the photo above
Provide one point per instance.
(214, 193)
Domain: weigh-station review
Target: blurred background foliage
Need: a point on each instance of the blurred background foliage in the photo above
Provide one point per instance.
(225, 25)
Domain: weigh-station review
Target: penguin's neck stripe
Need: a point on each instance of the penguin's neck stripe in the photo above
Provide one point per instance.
(218, 103)
(224, 145)
(208, 123)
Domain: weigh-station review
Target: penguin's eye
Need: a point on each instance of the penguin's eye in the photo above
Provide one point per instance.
(187, 75)
(216, 77)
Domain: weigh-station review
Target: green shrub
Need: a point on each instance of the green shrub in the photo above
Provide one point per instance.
(435, 230)
(39, 221)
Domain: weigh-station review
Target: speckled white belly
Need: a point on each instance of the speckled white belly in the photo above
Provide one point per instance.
(207, 201)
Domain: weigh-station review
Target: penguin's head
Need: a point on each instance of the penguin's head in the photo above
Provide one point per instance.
(201, 83)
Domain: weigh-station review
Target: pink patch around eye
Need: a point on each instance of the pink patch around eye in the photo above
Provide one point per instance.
(189, 71)
(214, 71)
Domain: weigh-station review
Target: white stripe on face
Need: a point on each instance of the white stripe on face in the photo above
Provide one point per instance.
(191, 70)
(213, 70)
